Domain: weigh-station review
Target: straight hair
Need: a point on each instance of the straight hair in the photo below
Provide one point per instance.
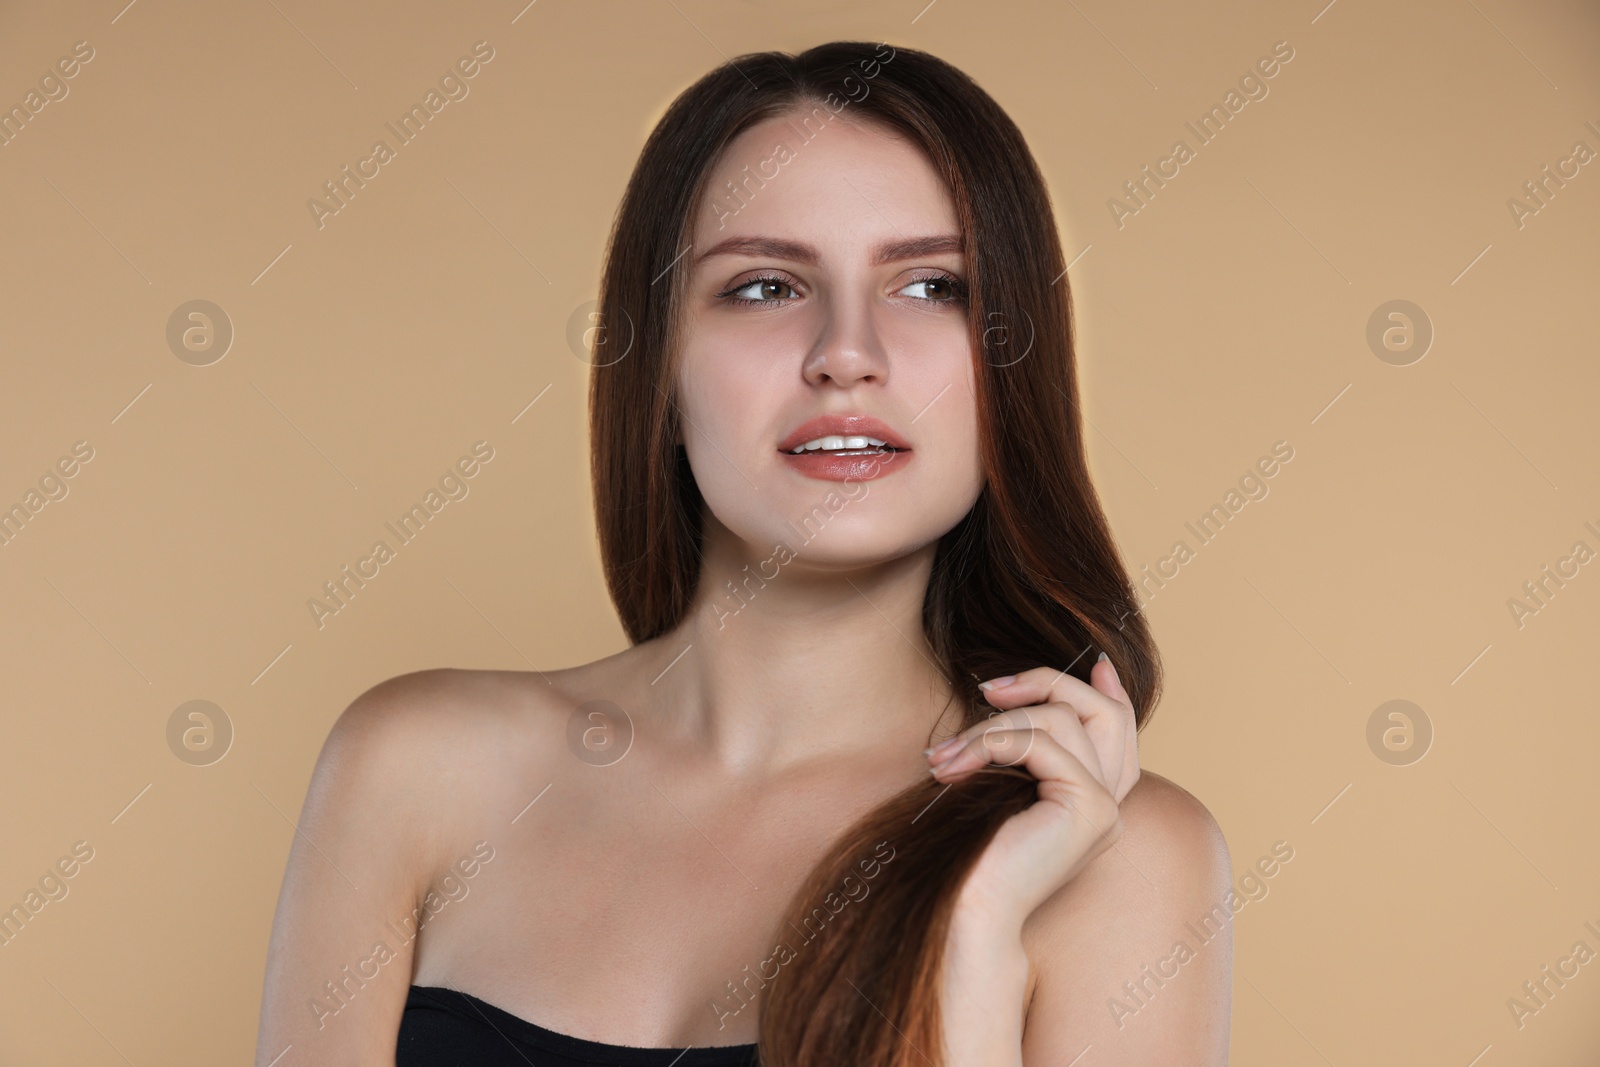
(1029, 577)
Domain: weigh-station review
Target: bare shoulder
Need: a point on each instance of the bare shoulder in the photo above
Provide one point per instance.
(408, 776)
(409, 710)
(1170, 845)
(1145, 908)
(1168, 825)
(437, 745)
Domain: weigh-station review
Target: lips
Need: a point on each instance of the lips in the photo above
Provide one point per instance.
(842, 426)
(846, 466)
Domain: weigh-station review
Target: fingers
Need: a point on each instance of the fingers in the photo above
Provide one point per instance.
(1108, 681)
(1104, 678)
(1103, 707)
(1004, 738)
(1037, 850)
(1065, 778)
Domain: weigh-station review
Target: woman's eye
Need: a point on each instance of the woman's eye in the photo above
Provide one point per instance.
(937, 290)
(762, 291)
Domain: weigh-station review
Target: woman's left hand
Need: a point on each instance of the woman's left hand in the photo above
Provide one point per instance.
(1079, 740)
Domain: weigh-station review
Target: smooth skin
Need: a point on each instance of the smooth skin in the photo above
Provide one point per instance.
(625, 894)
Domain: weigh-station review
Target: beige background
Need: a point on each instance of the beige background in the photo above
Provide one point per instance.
(1227, 314)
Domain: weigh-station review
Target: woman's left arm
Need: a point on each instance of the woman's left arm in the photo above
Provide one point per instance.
(1096, 928)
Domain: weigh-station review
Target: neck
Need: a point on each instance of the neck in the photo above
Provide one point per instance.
(788, 659)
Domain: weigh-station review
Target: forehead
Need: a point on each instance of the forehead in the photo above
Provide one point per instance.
(824, 177)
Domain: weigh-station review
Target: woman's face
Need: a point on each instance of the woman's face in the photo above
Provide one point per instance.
(831, 287)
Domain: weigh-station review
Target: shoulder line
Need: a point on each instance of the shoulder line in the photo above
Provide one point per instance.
(414, 747)
(1171, 855)
(1095, 941)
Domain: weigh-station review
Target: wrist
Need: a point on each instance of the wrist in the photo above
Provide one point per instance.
(982, 913)
(989, 940)
(986, 974)
(996, 948)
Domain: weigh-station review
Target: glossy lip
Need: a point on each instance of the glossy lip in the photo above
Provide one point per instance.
(836, 468)
(843, 426)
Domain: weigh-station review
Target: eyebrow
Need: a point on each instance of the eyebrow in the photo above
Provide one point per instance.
(800, 252)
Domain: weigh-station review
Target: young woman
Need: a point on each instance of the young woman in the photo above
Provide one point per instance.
(839, 479)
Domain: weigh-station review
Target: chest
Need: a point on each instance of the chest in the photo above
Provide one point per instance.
(637, 909)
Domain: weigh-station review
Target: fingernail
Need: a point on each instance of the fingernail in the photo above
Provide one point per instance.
(1104, 656)
(941, 747)
(997, 683)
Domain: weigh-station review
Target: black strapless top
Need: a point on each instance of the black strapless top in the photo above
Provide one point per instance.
(448, 1028)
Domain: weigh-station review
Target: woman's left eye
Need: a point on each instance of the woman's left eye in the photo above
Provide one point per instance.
(939, 289)
(762, 287)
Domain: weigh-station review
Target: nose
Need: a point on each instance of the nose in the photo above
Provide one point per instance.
(848, 349)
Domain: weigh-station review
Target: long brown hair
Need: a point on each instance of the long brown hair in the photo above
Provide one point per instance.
(1029, 577)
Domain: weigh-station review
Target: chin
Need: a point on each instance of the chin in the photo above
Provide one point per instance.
(842, 556)
(848, 541)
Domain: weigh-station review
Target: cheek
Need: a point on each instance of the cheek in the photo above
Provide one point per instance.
(724, 399)
(723, 393)
(964, 463)
(952, 420)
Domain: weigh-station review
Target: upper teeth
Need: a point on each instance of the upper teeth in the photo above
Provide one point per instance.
(836, 442)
